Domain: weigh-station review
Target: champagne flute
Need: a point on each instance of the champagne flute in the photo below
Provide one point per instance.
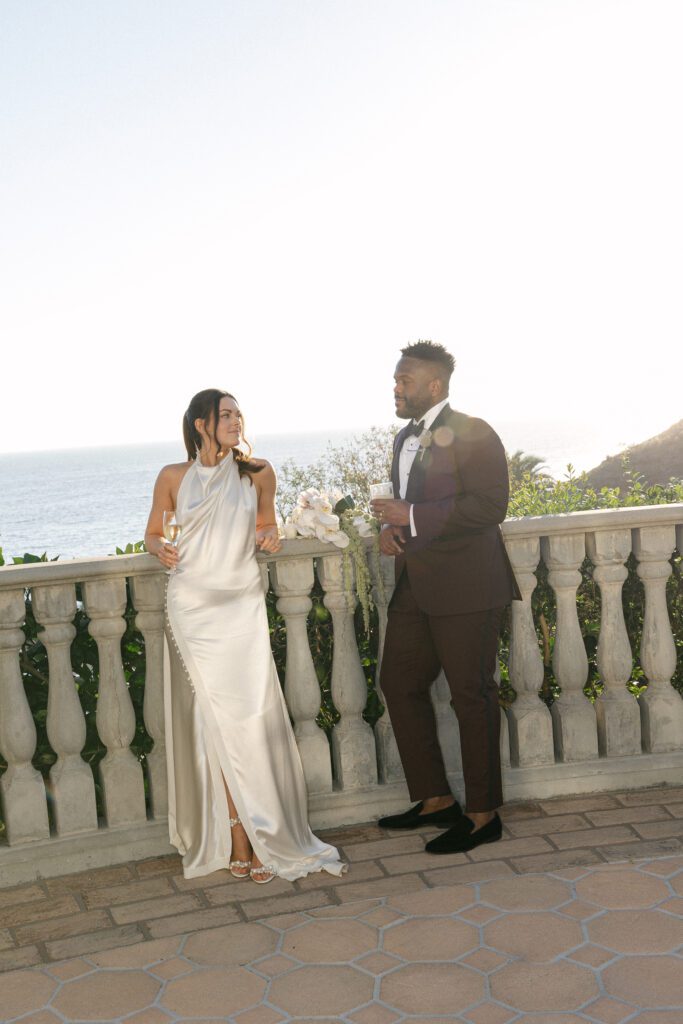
(171, 530)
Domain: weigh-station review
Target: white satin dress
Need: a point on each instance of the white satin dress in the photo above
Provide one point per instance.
(226, 716)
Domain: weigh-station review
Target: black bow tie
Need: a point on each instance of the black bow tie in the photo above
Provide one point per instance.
(415, 428)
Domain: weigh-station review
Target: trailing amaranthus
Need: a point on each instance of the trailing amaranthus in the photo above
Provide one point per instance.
(358, 526)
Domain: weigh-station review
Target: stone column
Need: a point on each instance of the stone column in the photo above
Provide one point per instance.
(530, 723)
(72, 783)
(617, 710)
(292, 581)
(353, 742)
(504, 727)
(574, 722)
(661, 708)
(389, 764)
(149, 596)
(120, 771)
(22, 790)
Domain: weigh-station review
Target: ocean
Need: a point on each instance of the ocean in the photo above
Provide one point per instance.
(86, 501)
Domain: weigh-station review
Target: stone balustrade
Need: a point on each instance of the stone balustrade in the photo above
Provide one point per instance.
(617, 742)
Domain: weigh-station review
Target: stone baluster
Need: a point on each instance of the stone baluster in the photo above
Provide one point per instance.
(530, 723)
(661, 708)
(504, 726)
(72, 784)
(574, 721)
(389, 764)
(22, 790)
(148, 594)
(617, 710)
(120, 771)
(292, 582)
(447, 728)
(353, 742)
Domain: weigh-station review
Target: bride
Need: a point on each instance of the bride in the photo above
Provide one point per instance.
(237, 795)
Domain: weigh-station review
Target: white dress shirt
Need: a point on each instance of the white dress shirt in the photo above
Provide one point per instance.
(409, 450)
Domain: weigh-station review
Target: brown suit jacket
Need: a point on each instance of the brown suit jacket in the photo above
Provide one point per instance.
(459, 487)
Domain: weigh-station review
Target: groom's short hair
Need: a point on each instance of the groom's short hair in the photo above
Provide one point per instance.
(431, 352)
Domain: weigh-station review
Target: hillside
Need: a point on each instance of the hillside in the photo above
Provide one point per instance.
(657, 460)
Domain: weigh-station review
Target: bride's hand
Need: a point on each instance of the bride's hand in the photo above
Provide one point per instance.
(267, 539)
(166, 553)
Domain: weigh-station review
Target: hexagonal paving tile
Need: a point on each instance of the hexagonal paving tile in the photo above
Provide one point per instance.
(530, 893)
(537, 937)
(329, 942)
(445, 900)
(24, 991)
(259, 1015)
(552, 1018)
(314, 991)
(652, 1017)
(549, 987)
(216, 991)
(231, 944)
(106, 995)
(374, 1014)
(432, 988)
(637, 931)
(646, 981)
(624, 889)
(426, 939)
(609, 1011)
(149, 1016)
(489, 1013)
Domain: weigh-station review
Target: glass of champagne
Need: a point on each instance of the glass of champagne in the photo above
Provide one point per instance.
(171, 528)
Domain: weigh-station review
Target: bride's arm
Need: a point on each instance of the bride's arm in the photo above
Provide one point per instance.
(266, 527)
(163, 499)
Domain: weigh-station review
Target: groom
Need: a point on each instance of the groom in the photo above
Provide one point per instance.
(453, 579)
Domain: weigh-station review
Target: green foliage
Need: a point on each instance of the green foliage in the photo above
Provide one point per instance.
(350, 468)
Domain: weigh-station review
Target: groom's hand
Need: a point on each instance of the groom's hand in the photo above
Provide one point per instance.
(391, 540)
(391, 511)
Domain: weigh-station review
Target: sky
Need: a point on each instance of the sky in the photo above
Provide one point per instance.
(275, 197)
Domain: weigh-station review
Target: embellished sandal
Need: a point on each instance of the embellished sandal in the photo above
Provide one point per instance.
(241, 864)
(263, 869)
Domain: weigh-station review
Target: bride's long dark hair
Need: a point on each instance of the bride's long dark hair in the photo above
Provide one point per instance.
(201, 407)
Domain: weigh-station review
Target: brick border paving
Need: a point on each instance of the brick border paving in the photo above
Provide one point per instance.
(76, 915)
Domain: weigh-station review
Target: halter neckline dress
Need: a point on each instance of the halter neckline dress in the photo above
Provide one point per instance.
(226, 716)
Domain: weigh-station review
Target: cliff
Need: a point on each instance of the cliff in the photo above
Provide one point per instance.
(657, 460)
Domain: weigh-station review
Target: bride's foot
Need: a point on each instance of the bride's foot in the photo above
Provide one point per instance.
(260, 873)
(241, 849)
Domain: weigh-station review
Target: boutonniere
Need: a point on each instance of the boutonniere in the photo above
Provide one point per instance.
(424, 440)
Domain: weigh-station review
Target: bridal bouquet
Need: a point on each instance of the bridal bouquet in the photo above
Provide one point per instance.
(314, 517)
(334, 519)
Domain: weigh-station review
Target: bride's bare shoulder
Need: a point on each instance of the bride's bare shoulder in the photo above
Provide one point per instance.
(262, 467)
(174, 471)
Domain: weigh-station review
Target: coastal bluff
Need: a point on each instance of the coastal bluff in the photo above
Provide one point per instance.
(657, 460)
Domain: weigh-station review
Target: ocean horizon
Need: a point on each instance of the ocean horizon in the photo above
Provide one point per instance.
(87, 501)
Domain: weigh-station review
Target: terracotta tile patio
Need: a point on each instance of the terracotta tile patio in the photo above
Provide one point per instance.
(529, 930)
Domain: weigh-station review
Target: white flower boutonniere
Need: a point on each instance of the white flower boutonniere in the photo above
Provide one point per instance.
(424, 440)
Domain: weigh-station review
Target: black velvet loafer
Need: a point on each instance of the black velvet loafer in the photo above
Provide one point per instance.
(462, 837)
(413, 819)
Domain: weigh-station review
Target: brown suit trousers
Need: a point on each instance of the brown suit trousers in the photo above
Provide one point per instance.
(417, 645)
